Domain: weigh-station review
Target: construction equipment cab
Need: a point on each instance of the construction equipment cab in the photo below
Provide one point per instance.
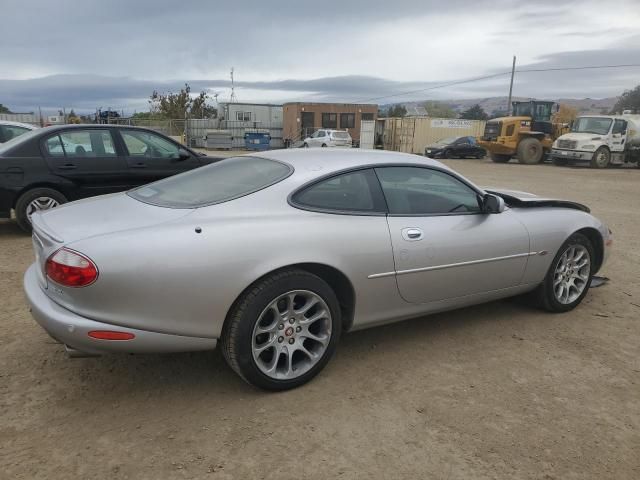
(528, 134)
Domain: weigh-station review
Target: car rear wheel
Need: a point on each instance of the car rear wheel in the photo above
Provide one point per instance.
(324, 145)
(569, 276)
(36, 200)
(500, 158)
(530, 151)
(601, 158)
(305, 145)
(283, 330)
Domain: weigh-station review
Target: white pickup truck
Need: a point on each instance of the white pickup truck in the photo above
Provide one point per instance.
(600, 140)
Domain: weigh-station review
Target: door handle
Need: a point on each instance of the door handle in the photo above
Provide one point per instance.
(139, 165)
(67, 166)
(412, 234)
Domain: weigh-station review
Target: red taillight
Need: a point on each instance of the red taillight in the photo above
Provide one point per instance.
(111, 335)
(71, 269)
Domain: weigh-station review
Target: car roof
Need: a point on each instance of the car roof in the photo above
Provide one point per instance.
(317, 162)
(18, 124)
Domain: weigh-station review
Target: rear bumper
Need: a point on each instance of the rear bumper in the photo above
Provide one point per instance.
(571, 155)
(72, 329)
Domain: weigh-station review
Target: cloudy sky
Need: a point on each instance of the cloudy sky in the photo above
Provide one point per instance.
(96, 53)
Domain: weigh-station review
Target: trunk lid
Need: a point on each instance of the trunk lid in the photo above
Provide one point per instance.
(98, 215)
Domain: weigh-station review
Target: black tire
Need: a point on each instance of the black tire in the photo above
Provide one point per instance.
(27, 197)
(601, 158)
(324, 145)
(500, 158)
(546, 297)
(530, 151)
(305, 145)
(446, 154)
(238, 329)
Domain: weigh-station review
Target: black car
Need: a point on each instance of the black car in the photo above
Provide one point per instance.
(50, 166)
(455, 147)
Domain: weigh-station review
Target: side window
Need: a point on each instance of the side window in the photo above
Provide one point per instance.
(422, 191)
(471, 140)
(321, 133)
(620, 126)
(462, 141)
(87, 143)
(53, 145)
(346, 192)
(146, 144)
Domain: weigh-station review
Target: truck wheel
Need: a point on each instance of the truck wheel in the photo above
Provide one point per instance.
(500, 158)
(530, 151)
(36, 200)
(601, 158)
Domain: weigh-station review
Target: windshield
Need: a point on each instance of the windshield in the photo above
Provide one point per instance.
(597, 125)
(220, 182)
(446, 141)
(4, 147)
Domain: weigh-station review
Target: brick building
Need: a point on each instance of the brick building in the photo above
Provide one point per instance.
(302, 119)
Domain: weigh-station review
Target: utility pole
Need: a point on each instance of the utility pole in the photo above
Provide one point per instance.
(233, 98)
(513, 71)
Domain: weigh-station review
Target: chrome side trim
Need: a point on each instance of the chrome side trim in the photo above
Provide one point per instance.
(451, 265)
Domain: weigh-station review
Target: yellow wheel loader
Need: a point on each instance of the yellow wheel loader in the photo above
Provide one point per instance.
(527, 135)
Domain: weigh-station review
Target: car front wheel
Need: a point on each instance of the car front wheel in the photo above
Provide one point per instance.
(283, 330)
(36, 200)
(569, 276)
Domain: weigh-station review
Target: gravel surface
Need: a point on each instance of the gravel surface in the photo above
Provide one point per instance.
(499, 390)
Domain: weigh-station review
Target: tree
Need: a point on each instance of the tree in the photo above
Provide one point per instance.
(498, 113)
(181, 104)
(565, 114)
(439, 110)
(474, 113)
(396, 111)
(629, 100)
(4, 109)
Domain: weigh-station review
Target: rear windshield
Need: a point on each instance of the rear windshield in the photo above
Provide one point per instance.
(220, 182)
(340, 135)
(5, 147)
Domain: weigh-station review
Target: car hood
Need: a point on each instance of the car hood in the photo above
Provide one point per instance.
(98, 215)
(517, 199)
(580, 136)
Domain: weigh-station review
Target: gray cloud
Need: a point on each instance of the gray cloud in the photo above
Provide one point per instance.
(113, 54)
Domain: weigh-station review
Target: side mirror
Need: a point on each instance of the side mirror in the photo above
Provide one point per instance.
(492, 204)
(183, 154)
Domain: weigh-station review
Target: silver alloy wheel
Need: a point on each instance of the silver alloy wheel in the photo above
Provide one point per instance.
(39, 204)
(572, 273)
(291, 334)
(602, 158)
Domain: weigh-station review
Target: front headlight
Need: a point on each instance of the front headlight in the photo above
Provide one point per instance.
(588, 147)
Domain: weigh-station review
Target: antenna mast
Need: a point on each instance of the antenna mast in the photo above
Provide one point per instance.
(233, 98)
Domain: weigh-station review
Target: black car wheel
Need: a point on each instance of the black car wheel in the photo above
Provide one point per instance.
(38, 199)
(283, 330)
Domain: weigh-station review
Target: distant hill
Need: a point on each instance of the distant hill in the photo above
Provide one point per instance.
(497, 104)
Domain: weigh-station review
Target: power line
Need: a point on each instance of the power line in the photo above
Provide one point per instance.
(501, 74)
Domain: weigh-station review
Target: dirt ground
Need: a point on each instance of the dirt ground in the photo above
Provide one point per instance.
(495, 391)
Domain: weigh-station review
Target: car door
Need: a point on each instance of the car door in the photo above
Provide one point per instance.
(89, 159)
(618, 135)
(461, 147)
(151, 156)
(444, 246)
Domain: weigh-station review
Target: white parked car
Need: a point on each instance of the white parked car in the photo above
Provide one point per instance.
(329, 138)
(10, 130)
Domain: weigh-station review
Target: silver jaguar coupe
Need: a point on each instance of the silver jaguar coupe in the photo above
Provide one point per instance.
(275, 254)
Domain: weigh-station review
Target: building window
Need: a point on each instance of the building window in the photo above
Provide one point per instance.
(329, 120)
(367, 116)
(347, 120)
(243, 116)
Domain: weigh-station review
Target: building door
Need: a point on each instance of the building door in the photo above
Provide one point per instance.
(307, 124)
